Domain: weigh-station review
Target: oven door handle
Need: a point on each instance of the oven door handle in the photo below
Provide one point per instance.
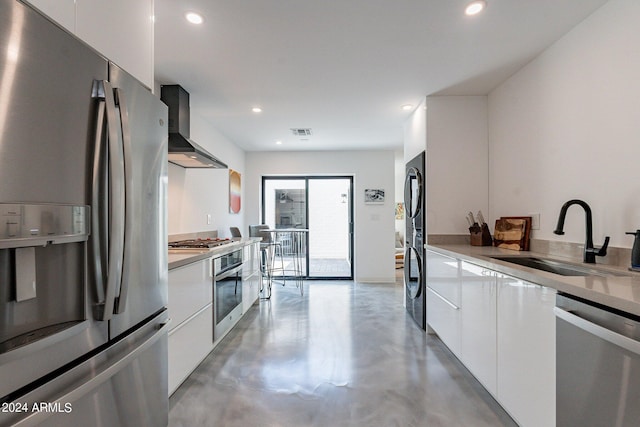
(599, 331)
(227, 273)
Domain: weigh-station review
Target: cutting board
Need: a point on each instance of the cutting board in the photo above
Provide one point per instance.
(512, 233)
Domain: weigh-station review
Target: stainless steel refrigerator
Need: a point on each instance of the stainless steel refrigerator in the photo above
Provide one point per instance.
(83, 260)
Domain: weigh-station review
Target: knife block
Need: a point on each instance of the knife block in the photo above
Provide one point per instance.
(480, 236)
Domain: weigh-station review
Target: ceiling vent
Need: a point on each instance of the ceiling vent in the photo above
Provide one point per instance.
(301, 131)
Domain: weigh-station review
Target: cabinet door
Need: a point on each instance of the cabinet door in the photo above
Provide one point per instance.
(190, 289)
(443, 298)
(478, 323)
(526, 351)
(250, 260)
(121, 30)
(251, 277)
(62, 12)
(250, 289)
(444, 318)
(189, 344)
(443, 276)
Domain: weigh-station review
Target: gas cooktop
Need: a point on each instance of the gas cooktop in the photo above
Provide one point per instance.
(199, 243)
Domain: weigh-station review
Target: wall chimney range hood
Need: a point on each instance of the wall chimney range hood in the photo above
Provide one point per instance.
(182, 150)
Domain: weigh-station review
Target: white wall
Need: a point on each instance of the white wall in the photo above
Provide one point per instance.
(194, 193)
(415, 132)
(399, 168)
(374, 224)
(568, 126)
(457, 162)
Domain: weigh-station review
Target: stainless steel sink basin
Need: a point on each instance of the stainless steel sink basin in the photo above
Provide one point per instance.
(557, 267)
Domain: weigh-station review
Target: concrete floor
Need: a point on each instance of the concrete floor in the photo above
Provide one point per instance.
(345, 354)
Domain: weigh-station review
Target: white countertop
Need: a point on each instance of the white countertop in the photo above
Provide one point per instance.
(180, 257)
(620, 292)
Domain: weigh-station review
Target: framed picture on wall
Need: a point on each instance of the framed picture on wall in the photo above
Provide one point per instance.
(374, 196)
(235, 187)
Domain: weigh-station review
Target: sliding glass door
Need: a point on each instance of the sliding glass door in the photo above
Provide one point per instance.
(324, 206)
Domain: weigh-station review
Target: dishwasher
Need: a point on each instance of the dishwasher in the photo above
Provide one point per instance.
(597, 365)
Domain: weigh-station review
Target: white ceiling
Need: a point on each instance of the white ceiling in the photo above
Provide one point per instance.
(344, 67)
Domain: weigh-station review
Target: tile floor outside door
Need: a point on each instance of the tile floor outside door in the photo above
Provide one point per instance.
(344, 354)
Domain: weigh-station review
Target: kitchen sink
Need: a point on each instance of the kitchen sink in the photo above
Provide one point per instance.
(557, 267)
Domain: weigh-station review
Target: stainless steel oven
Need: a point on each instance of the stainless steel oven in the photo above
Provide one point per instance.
(598, 365)
(227, 288)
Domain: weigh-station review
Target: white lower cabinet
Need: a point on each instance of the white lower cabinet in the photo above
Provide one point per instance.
(189, 344)
(527, 351)
(250, 277)
(190, 289)
(443, 298)
(191, 312)
(502, 329)
(444, 318)
(478, 324)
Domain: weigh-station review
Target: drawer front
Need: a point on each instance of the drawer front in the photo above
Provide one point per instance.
(443, 276)
(188, 346)
(444, 318)
(190, 289)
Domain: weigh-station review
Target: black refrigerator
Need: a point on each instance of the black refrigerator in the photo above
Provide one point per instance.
(415, 232)
(83, 238)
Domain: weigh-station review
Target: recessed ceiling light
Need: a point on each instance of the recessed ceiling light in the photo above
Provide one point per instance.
(194, 18)
(407, 107)
(278, 142)
(256, 110)
(475, 7)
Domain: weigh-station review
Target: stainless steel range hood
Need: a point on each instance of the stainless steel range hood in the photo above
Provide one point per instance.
(182, 150)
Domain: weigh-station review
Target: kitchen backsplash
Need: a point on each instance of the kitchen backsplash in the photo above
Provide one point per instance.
(198, 235)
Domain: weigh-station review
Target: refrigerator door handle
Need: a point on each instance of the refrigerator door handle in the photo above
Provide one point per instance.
(98, 243)
(115, 224)
(121, 301)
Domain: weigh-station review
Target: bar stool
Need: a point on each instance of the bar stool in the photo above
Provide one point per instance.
(235, 232)
(269, 251)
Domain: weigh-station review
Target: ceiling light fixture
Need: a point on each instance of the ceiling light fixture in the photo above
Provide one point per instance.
(194, 18)
(278, 142)
(475, 7)
(407, 107)
(256, 110)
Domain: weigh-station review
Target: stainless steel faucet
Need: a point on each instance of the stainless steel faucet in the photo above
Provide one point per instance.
(590, 252)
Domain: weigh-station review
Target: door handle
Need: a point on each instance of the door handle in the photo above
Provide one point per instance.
(121, 300)
(108, 218)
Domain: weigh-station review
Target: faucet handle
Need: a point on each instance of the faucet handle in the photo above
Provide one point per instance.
(603, 250)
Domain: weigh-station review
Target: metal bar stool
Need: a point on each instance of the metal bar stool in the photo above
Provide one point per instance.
(269, 251)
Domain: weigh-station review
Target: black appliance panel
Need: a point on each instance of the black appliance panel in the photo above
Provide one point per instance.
(414, 282)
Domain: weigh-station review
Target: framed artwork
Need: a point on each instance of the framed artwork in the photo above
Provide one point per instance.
(373, 196)
(235, 187)
(399, 210)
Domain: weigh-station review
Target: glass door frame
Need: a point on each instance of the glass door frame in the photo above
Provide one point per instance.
(306, 179)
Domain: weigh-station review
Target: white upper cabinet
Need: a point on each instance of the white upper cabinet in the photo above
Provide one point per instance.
(61, 11)
(122, 30)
